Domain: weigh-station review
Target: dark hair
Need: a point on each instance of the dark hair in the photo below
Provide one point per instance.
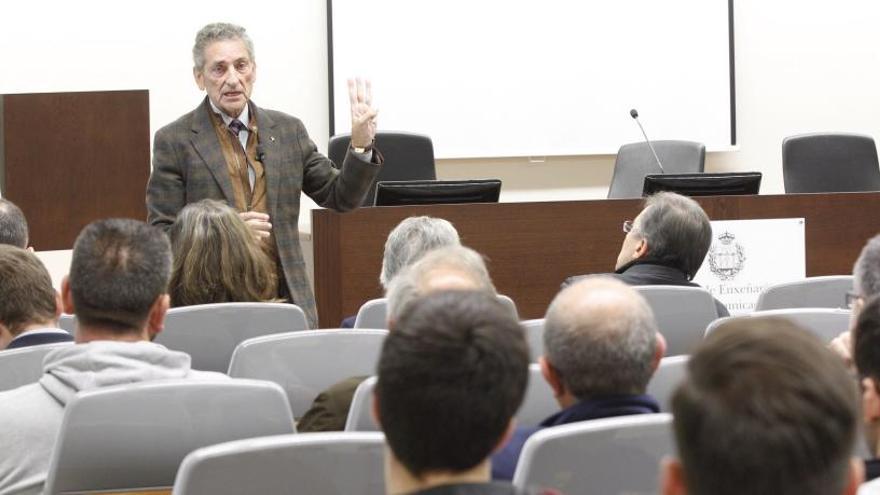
(13, 225)
(217, 259)
(765, 408)
(451, 375)
(119, 268)
(866, 339)
(26, 293)
(677, 230)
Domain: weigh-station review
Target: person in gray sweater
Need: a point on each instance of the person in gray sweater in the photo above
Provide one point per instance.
(117, 288)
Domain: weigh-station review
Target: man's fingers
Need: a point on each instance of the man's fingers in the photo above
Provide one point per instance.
(253, 215)
(352, 93)
(360, 90)
(369, 95)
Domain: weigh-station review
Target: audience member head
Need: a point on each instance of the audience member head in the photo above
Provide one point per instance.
(118, 281)
(765, 408)
(866, 356)
(451, 377)
(410, 240)
(600, 338)
(866, 274)
(671, 230)
(27, 299)
(447, 268)
(13, 225)
(217, 259)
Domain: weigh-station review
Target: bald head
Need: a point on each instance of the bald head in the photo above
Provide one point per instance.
(601, 337)
(447, 268)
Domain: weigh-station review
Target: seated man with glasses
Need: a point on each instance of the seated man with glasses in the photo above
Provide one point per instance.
(665, 244)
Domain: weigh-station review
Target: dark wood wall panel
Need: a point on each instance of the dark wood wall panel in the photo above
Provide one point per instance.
(532, 247)
(71, 158)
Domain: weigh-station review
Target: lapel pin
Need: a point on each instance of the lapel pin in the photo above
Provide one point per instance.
(272, 138)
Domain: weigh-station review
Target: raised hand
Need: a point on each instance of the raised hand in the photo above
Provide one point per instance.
(363, 115)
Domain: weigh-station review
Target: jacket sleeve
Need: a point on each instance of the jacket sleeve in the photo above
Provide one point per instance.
(166, 188)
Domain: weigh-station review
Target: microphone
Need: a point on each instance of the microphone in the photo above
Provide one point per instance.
(261, 153)
(635, 115)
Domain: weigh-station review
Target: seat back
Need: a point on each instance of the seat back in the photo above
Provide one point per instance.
(67, 322)
(316, 464)
(308, 362)
(372, 314)
(812, 292)
(830, 162)
(24, 366)
(131, 437)
(210, 332)
(635, 161)
(360, 416)
(666, 379)
(824, 323)
(535, 337)
(598, 457)
(408, 156)
(539, 401)
(682, 313)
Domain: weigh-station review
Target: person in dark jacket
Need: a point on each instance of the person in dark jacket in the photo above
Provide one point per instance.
(665, 244)
(601, 347)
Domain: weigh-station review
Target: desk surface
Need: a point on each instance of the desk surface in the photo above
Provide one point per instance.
(532, 247)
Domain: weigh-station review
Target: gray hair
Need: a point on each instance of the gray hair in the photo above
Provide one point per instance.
(420, 278)
(410, 240)
(219, 31)
(677, 231)
(601, 336)
(866, 271)
(13, 225)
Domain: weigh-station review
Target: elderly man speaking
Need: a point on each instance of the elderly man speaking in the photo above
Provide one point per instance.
(255, 159)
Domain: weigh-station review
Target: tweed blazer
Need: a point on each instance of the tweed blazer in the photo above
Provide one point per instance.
(188, 166)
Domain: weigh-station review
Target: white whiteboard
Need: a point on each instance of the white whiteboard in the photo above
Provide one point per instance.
(522, 78)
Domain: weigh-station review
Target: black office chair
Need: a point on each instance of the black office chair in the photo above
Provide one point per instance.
(635, 161)
(830, 162)
(407, 157)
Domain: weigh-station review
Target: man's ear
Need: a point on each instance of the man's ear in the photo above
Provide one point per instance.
(672, 477)
(552, 377)
(870, 400)
(641, 249)
(156, 317)
(59, 305)
(5, 336)
(199, 76)
(659, 351)
(855, 476)
(374, 410)
(66, 296)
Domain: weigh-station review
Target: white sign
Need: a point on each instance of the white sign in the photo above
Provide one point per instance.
(747, 256)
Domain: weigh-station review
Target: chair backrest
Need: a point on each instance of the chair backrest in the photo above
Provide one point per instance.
(682, 313)
(830, 162)
(407, 156)
(598, 457)
(314, 464)
(535, 337)
(24, 366)
(669, 374)
(635, 161)
(360, 416)
(135, 436)
(538, 403)
(306, 363)
(210, 332)
(824, 323)
(372, 314)
(812, 292)
(67, 322)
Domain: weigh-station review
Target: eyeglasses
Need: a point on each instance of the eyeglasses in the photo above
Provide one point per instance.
(851, 298)
(627, 226)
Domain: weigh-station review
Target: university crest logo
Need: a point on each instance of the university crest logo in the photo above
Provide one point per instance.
(726, 257)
